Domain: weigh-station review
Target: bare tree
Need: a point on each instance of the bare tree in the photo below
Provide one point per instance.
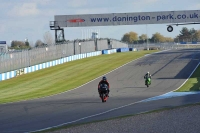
(39, 43)
(48, 38)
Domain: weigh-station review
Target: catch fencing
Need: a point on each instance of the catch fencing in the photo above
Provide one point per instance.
(24, 58)
(163, 46)
(15, 60)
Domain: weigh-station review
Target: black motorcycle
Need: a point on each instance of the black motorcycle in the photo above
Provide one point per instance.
(103, 92)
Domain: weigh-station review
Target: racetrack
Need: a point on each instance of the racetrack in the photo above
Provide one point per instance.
(169, 70)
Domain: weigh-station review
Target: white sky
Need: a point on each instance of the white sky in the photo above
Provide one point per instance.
(20, 19)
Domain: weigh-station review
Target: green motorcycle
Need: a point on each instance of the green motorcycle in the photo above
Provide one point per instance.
(148, 82)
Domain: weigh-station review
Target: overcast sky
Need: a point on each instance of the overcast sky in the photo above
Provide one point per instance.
(21, 19)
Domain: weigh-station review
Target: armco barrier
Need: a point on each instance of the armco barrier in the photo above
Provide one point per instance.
(104, 51)
(122, 49)
(194, 42)
(110, 51)
(8, 75)
(132, 49)
(183, 42)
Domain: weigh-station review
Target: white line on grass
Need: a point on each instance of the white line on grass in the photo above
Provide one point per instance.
(188, 77)
(113, 108)
(98, 113)
(81, 85)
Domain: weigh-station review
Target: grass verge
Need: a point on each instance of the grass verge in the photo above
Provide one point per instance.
(193, 83)
(63, 77)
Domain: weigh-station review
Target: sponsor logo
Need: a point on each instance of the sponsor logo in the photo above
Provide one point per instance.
(20, 72)
(76, 20)
(2, 42)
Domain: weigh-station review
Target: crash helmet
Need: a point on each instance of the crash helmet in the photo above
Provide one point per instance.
(104, 78)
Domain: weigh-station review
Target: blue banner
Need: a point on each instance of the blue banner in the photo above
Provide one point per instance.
(2, 42)
(194, 42)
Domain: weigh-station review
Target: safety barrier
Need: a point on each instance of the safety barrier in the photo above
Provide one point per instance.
(193, 42)
(110, 51)
(122, 49)
(15, 73)
(104, 51)
(132, 49)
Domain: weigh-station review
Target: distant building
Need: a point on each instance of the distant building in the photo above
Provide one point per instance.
(3, 47)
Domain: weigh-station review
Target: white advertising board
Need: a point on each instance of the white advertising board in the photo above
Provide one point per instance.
(127, 18)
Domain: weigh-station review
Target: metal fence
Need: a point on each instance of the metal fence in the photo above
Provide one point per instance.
(24, 58)
(163, 46)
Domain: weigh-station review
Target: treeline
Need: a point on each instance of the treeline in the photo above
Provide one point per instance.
(185, 35)
(48, 40)
(20, 45)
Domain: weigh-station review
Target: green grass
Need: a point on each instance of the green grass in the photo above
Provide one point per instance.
(193, 83)
(63, 77)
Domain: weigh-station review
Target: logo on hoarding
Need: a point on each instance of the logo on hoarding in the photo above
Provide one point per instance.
(2, 42)
(76, 20)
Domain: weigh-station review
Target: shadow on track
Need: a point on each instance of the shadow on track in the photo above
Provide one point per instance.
(189, 55)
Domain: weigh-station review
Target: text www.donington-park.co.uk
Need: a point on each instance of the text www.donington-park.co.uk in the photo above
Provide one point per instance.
(144, 18)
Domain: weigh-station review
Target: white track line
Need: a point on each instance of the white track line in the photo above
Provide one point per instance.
(146, 100)
(86, 117)
(101, 112)
(83, 84)
(187, 78)
(113, 108)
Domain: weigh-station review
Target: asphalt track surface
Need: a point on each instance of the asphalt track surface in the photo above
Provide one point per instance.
(169, 70)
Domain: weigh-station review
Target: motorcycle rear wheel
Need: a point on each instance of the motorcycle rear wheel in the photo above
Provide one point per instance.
(102, 97)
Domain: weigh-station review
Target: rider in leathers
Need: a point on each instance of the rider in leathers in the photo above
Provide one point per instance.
(146, 76)
(104, 81)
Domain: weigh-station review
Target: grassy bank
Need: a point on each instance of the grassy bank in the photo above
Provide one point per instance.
(193, 83)
(63, 77)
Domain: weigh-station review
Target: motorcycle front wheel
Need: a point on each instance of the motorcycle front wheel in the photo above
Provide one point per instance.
(102, 97)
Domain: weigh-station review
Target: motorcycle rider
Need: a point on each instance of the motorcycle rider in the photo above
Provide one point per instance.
(104, 81)
(146, 76)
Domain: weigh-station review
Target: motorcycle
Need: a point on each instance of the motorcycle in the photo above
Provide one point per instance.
(104, 92)
(148, 82)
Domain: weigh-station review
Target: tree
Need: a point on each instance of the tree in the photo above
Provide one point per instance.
(184, 34)
(187, 35)
(157, 37)
(196, 36)
(133, 36)
(39, 43)
(125, 38)
(169, 39)
(130, 37)
(143, 38)
(19, 45)
(48, 39)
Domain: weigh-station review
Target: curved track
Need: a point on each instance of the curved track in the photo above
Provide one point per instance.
(169, 70)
